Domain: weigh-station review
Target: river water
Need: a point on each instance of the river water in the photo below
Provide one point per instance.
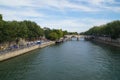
(71, 60)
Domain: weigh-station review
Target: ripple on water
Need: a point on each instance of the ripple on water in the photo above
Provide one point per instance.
(72, 60)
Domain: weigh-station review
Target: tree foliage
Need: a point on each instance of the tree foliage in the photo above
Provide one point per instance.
(12, 30)
(54, 34)
(111, 29)
(0, 17)
(73, 33)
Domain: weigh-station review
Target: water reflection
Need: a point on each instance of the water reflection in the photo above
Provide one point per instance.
(71, 60)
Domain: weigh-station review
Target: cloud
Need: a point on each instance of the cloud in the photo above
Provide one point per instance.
(73, 24)
(50, 4)
(102, 5)
(50, 13)
(15, 3)
(64, 5)
(20, 14)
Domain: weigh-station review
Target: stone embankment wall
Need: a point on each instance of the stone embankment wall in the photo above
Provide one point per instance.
(106, 40)
(109, 41)
(23, 51)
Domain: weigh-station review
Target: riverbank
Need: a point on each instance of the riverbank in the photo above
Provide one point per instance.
(15, 53)
(104, 40)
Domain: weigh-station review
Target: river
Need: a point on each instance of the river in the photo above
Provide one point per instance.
(71, 60)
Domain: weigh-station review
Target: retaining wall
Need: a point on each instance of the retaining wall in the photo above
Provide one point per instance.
(23, 51)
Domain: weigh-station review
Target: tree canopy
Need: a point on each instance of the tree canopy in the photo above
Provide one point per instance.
(13, 30)
(0, 17)
(111, 29)
(54, 34)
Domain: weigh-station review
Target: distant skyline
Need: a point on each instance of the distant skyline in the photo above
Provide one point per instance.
(71, 15)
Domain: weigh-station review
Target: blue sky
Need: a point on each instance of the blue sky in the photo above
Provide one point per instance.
(71, 15)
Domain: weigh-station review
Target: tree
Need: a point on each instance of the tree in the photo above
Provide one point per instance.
(111, 29)
(1, 31)
(53, 36)
(13, 30)
(65, 33)
(34, 30)
(22, 31)
(0, 17)
(59, 32)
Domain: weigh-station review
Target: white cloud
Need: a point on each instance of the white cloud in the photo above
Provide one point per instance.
(102, 5)
(99, 2)
(54, 4)
(73, 24)
(15, 3)
(25, 9)
(20, 14)
(63, 5)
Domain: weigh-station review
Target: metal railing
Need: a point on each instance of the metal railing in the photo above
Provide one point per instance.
(12, 49)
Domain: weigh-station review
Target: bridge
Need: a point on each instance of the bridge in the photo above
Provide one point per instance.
(74, 36)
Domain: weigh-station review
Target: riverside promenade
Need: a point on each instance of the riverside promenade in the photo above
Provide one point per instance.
(105, 40)
(11, 54)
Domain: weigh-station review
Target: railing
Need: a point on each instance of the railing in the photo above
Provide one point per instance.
(8, 50)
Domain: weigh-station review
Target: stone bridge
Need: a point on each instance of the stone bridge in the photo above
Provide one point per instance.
(74, 36)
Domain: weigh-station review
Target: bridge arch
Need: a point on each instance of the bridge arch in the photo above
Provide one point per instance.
(74, 36)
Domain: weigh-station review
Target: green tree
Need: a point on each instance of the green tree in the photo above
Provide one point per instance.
(0, 17)
(111, 29)
(13, 30)
(53, 36)
(1, 31)
(65, 33)
(34, 31)
(22, 30)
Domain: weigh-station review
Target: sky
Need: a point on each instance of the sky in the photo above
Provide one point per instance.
(70, 15)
